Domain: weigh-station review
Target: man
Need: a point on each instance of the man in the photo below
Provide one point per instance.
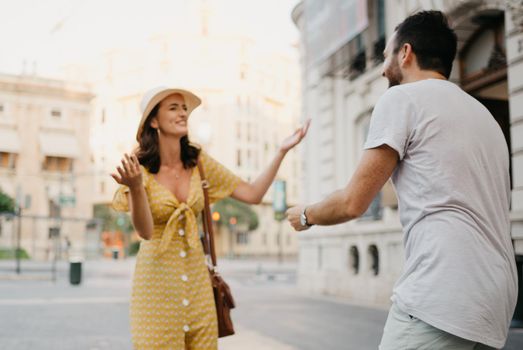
(449, 164)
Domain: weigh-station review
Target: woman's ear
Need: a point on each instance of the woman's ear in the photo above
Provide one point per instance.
(154, 123)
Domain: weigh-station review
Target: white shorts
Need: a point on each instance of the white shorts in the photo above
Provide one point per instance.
(405, 332)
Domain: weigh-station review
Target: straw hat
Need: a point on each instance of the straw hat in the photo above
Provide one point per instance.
(156, 95)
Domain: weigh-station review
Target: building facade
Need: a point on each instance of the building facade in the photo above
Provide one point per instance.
(250, 102)
(45, 164)
(341, 79)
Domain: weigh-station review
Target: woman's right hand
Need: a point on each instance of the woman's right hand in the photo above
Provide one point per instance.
(130, 173)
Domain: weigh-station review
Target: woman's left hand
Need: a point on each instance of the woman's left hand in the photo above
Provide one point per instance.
(295, 138)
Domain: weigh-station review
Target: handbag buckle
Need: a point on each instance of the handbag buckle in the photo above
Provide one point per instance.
(205, 184)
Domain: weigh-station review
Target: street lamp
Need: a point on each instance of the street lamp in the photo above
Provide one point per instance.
(232, 230)
(279, 206)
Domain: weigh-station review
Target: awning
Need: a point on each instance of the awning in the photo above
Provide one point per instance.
(9, 141)
(58, 144)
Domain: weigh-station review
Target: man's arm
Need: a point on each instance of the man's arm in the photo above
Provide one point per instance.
(375, 168)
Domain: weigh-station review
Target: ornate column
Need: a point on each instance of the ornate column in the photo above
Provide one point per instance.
(514, 37)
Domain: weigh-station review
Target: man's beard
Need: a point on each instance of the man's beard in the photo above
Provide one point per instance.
(393, 74)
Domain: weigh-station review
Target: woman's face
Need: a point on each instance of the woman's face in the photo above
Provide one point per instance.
(172, 117)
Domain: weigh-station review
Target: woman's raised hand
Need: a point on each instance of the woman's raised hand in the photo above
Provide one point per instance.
(130, 173)
(295, 138)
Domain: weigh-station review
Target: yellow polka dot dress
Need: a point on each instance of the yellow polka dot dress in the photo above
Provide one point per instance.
(172, 305)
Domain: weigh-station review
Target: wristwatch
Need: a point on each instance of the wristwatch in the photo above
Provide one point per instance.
(303, 219)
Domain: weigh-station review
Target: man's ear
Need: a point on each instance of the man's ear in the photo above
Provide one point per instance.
(407, 55)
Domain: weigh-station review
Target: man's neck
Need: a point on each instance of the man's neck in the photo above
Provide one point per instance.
(422, 75)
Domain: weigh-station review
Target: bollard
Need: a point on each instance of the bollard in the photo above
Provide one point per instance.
(75, 271)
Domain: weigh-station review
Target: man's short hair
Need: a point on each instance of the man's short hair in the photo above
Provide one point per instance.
(431, 39)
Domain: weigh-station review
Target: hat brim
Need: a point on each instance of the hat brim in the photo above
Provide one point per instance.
(191, 101)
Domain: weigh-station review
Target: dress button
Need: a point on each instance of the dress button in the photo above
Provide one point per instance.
(186, 328)
(185, 302)
(183, 254)
(181, 232)
(181, 217)
(185, 278)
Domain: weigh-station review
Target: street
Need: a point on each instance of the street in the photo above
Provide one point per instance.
(271, 313)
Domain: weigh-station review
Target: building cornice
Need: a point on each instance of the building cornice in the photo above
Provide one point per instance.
(32, 85)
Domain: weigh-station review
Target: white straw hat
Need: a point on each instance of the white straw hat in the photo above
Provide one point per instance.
(154, 96)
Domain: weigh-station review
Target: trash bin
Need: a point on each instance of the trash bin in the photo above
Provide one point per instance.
(75, 271)
(115, 253)
(517, 319)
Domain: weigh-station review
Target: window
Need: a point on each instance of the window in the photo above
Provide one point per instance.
(239, 158)
(374, 259)
(54, 209)
(354, 259)
(380, 18)
(242, 238)
(358, 61)
(8, 160)
(56, 113)
(58, 164)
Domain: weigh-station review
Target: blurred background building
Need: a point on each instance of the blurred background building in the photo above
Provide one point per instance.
(342, 43)
(59, 156)
(45, 163)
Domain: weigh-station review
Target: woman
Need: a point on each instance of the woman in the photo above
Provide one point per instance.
(172, 305)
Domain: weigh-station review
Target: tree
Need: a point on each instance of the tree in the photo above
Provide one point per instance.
(112, 220)
(231, 208)
(7, 204)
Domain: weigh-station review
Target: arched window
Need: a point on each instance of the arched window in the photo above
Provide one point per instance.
(374, 259)
(354, 259)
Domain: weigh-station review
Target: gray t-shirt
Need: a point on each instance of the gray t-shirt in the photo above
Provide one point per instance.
(453, 187)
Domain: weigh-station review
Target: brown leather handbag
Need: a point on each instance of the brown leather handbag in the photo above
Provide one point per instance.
(222, 293)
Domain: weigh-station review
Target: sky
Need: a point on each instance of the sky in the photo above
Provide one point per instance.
(40, 37)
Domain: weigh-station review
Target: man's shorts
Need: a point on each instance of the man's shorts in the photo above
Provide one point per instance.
(405, 332)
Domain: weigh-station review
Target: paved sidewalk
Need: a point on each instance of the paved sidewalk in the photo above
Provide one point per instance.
(249, 339)
(272, 314)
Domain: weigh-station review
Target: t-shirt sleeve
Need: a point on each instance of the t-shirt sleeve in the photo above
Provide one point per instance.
(222, 181)
(392, 122)
(121, 196)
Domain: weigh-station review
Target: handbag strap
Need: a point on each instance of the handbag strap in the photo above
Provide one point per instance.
(208, 233)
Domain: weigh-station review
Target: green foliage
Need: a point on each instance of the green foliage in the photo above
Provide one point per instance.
(113, 220)
(10, 254)
(7, 204)
(134, 247)
(229, 208)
